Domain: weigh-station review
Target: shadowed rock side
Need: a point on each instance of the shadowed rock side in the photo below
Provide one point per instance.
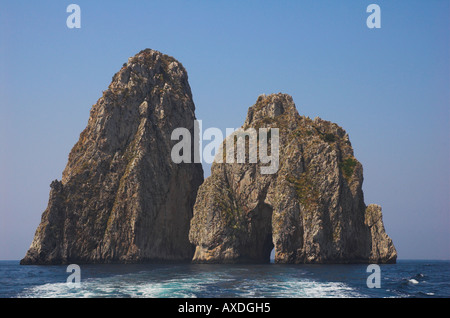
(312, 210)
(121, 198)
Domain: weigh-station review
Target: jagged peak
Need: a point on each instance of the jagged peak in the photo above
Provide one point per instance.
(149, 72)
(271, 106)
(150, 56)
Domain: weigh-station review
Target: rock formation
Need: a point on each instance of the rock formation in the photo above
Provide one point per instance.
(383, 249)
(311, 210)
(121, 198)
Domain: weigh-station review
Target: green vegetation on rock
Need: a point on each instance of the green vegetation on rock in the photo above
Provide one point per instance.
(348, 166)
(305, 190)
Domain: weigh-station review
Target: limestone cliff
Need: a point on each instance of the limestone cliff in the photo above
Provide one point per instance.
(311, 210)
(383, 249)
(121, 198)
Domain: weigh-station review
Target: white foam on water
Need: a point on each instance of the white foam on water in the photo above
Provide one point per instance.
(141, 285)
(50, 291)
(132, 285)
(413, 281)
(97, 288)
(314, 289)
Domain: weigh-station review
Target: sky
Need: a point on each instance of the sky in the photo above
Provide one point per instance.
(388, 87)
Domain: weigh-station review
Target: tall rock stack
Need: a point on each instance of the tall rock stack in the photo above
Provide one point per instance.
(121, 198)
(311, 210)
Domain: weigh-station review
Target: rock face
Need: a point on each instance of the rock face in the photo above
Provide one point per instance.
(383, 249)
(311, 210)
(121, 198)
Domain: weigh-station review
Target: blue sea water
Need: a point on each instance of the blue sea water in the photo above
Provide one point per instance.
(404, 279)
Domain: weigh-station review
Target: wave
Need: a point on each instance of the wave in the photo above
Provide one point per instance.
(137, 286)
(413, 281)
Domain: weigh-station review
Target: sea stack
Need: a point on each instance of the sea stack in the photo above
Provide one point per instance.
(311, 210)
(121, 198)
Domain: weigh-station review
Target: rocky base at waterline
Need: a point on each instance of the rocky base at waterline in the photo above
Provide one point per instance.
(311, 210)
(121, 198)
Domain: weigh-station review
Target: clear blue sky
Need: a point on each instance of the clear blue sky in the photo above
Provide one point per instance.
(389, 88)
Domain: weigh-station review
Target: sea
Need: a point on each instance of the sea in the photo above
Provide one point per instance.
(406, 279)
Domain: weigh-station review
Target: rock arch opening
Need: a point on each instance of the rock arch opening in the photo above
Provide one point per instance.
(272, 256)
(260, 243)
